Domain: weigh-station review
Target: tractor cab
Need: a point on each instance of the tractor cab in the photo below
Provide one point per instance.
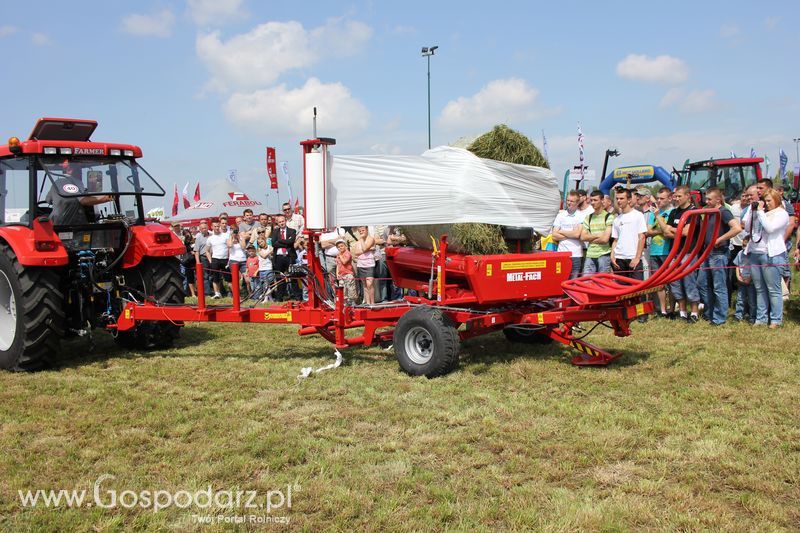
(732, 176)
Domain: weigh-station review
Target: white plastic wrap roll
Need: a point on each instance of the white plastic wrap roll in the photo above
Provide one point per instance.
(315, 191)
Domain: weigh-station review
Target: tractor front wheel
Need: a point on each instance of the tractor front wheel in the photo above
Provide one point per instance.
(161, 280)
(426, 342)
(31, 314)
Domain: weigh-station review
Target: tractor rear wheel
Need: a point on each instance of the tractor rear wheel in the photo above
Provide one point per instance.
(526, 336)
(31, 314)
(426, 342)
(161, 280)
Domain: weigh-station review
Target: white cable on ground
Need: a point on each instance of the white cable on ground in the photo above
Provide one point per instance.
(307, 371)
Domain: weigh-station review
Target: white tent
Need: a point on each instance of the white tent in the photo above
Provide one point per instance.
(221, 196)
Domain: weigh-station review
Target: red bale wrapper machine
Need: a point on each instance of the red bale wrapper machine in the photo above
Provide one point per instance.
(527, 296)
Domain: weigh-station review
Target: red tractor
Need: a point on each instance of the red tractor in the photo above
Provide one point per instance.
(733, 176)
(74, 245)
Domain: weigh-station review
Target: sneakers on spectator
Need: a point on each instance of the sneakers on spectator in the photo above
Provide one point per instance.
(693, 319)
(216, 296)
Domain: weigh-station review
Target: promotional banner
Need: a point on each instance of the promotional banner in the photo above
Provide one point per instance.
(175, 200)
(285, 175)
(272, 172)
(185, 194)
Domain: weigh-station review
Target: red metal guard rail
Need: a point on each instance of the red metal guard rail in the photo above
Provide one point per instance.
(684, 257)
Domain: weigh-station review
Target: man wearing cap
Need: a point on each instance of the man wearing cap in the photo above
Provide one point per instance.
(67, 208)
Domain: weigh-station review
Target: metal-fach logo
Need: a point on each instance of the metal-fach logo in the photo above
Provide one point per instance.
(214, 503)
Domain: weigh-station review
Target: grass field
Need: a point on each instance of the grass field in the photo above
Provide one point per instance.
(694, 428)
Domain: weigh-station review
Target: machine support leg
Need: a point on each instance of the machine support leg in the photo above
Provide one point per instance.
(201, 286)
(590, 354)
(235, 284)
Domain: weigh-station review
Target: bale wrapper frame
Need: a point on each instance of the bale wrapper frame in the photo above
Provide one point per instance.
(527, 296)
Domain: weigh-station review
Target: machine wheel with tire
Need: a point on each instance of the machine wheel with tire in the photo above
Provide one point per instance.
(426, 342)
(31, 313)
(161, 280)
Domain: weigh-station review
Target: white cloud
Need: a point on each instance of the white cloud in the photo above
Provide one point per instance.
(699, 101)
(671, 96)
(696, 101)
(40, 39)
(154, 25)
(772, 22)
(730, 31)
(258, 58)
(499, 101)
(279, 111)
(404, 30)
(214, 11)
(660, 69)
(7, 30)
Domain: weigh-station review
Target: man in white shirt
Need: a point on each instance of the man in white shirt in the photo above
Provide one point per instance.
(629, 232)
(293, 220)
(567, 229)
(217, 255)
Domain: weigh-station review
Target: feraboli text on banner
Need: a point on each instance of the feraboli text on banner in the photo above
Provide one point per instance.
(272, 170)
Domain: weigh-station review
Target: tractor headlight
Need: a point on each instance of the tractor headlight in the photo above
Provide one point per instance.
(129, 153)
(49, 150)
(115, 151)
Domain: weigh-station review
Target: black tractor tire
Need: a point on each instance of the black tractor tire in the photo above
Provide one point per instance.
(426, 342)
(525, 336)
(158, 278)
(31, 314)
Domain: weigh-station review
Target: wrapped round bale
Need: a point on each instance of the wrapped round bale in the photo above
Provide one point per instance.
(501, 144)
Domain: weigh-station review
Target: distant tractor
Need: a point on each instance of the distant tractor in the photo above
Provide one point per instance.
(731, 175)
(74, 245)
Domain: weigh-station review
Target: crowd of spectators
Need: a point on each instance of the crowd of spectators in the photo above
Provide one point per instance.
(632, 235)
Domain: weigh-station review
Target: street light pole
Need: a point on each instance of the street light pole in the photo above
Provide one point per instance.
(797, 150)
(427, 53)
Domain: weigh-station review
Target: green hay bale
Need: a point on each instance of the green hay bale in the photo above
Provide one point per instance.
(501, 144)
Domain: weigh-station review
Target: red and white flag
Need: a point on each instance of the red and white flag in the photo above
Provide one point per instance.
(175, 201)
(197, 192)
(272, 170)
(297, 205)
(186, 203)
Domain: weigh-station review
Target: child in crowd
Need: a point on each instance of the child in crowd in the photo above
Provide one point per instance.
(265, 275)
(302, 259)
(252, 270)
(344, 272)
(745, 292)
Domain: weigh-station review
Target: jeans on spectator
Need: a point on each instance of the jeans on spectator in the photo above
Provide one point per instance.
(767, 273)
(185, 279)
(576, 267)
(745, 302)
(686, 287)
(713, 279)
(381, 283)
(328, 264)
(265, 279)
(597, 264)
(625, 269)
(206, 275)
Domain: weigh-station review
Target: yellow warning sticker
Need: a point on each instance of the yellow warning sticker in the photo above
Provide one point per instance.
(540, 318)
(127, 314)
(639, 309)
(488, 270)
(287, 316)
(87, 237)
(558, 267)
(521, 265)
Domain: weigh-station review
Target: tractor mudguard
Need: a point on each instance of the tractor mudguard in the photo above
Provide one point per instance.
(36, 246)
(151, 240)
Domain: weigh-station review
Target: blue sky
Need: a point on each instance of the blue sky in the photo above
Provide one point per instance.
(203, 86)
